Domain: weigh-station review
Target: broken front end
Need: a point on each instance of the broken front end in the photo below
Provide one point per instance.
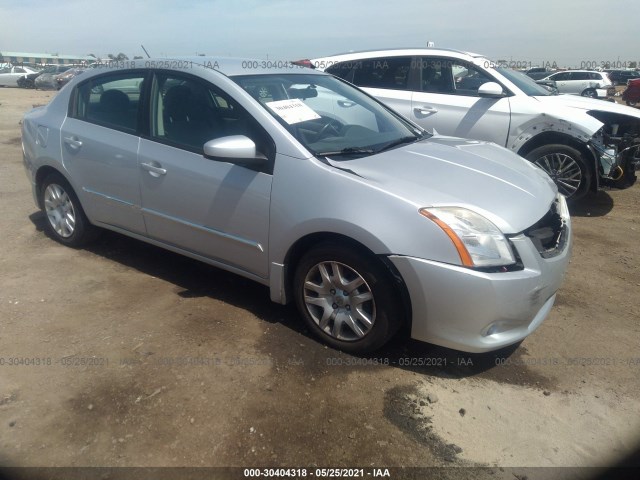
(616, 149)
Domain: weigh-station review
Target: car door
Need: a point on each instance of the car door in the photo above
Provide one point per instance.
(210, 208)
(562, 81)
(447, 101)
(580, 81)
(99, 143)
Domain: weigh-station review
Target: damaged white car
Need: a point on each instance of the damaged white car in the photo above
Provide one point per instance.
(582, 143)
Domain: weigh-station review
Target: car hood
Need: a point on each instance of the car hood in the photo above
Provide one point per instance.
(446, 171)
(588, 104)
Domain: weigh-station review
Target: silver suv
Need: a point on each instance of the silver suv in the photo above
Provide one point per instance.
(302, 182)
(580, 142)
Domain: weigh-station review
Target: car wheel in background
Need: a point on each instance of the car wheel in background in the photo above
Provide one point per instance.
(347, 298)
(590, 92)
(65, 219)
(566, 166)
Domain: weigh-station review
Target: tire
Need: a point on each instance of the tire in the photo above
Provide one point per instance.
(631, 103)
(361, 321)
(566, 166)
(590, 92)
(65, 219)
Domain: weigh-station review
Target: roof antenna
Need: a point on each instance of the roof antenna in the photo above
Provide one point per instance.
(145, 51)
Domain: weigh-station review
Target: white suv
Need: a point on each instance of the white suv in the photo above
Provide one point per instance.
(580, 142)
(582, 82)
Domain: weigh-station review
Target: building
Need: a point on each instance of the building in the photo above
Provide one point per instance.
(43, 58)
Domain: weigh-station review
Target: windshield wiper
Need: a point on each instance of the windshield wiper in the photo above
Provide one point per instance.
(348, 151)
(400, 141)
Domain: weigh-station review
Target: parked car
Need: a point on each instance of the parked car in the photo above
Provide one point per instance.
(63, 78)
(46, 83)
(9, 76)
(583, 82)
(538, 73)
(631, 94)
(581, 143)
(47, 78)
(302, 182)
(622, 77)
(28, 80)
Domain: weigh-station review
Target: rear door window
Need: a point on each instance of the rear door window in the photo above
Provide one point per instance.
(111, 100)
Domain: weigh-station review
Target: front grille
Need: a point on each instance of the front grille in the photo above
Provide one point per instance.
(549, 234)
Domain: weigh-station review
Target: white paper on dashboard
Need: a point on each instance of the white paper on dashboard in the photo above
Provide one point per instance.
(292, 111)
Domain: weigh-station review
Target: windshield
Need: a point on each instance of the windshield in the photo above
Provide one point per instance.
(327, 115)
(523, 82)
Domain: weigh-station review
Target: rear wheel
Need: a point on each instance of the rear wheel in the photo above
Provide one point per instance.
(566, 166)
(66, 221)
(346, 298)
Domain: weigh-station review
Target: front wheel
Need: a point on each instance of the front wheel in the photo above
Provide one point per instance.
(66, 221)
(590, 92)
(347, 299)
(566, 166)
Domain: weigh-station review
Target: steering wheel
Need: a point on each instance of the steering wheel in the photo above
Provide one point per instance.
(332, 124)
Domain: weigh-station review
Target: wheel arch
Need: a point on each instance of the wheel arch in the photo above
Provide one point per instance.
(550, 137)
(309, 241)
(42, 173)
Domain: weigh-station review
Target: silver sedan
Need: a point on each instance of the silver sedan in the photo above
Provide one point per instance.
(302, 182)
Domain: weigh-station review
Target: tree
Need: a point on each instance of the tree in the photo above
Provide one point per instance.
(119, 58)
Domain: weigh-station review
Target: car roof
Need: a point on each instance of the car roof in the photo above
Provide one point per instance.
(581, 71)
(233, 66)
(409, 51)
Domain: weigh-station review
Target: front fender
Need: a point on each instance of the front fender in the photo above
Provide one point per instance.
(581, 132)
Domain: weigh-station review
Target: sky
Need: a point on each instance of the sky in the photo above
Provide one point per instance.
(537, 32)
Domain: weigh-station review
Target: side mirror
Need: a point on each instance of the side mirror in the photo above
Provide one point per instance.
(234, 149)
(490, 90)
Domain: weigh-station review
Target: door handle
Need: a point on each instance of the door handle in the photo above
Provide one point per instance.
(425, 110)
(73, 142)
(153, 170)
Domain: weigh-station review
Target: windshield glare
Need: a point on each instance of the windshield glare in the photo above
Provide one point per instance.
(523, 82)
(328, 115)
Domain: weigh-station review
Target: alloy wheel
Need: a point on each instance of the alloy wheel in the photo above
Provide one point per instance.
(563, 170)
(59, 210)
(339, 301)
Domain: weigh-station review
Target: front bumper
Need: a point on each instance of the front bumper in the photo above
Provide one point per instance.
(473, 311)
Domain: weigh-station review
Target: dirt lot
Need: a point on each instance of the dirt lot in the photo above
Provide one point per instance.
(133, 356)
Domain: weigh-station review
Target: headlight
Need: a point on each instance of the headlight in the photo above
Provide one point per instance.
(478, 241)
